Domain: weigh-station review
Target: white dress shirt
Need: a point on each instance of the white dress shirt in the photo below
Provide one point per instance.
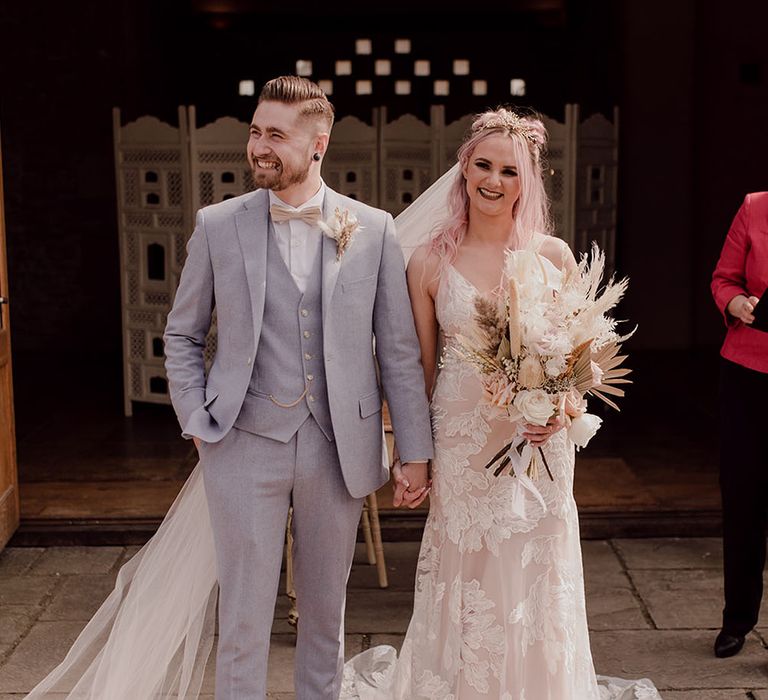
(299, 242)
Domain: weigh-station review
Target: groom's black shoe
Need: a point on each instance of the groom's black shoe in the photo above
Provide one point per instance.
(728, 644)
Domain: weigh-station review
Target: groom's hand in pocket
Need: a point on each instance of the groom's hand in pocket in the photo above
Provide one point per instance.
(411, 483)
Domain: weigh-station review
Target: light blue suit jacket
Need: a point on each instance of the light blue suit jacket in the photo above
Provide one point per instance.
(364, 295)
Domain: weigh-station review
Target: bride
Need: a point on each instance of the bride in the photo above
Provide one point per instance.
(499, 606)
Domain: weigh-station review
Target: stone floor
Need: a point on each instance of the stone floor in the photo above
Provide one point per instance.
(654, 606)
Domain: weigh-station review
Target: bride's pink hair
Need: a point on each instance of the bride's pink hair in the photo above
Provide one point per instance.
(530, 212)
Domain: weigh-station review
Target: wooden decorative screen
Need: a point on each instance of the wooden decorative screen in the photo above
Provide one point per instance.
(165, 173)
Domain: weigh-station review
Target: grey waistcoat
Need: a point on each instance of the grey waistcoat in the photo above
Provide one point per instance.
(290, 355)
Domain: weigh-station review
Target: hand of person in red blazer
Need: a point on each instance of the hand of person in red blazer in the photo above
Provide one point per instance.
(741, 307)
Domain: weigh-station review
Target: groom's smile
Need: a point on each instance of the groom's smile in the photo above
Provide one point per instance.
(267, 164)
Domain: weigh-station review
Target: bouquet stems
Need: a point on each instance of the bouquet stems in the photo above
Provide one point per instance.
(504, 459)
(546, 466)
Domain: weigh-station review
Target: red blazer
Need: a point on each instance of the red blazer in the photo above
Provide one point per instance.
(743, 269)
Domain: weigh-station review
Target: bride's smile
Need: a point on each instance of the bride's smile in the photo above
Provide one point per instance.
(487, 194)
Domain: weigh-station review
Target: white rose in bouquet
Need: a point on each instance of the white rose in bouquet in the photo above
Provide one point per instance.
(535, 405)
(583, 428)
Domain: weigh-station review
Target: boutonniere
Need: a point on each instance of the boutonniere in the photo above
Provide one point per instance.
(341, 227)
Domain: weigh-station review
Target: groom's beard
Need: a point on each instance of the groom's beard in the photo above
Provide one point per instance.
(279, 178)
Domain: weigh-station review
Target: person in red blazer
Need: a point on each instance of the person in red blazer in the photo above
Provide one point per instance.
(738, 282)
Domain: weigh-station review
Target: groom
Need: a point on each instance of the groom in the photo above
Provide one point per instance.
(290, 412)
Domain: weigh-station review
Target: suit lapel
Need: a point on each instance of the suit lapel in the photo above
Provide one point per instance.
(331, 266)
(252, 224)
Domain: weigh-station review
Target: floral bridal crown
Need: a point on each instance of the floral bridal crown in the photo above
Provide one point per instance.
(505, 119)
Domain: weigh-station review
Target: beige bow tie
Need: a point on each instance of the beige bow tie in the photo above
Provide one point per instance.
(309, 215)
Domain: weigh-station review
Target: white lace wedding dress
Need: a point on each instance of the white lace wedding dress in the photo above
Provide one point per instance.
(499, 607)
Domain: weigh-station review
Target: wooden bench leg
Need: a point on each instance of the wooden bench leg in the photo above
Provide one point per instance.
(366, 520)
(378, 545)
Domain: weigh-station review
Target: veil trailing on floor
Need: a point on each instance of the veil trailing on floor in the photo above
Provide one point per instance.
(152, 636)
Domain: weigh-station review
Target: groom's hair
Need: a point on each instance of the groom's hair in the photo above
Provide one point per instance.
(293, 90)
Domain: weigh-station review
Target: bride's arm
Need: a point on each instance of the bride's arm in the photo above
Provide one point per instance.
(557, 251)
(422, 288)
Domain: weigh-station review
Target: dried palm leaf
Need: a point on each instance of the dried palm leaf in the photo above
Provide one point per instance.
(609, 389)
(514, 319)
(602, 397)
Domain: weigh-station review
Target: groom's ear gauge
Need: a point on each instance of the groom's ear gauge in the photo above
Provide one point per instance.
(316, 157)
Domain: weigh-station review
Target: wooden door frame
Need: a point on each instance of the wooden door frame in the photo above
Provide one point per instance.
(9, 494)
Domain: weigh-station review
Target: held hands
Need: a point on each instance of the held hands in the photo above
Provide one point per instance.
(412, 484)
(538, 435)
(741, 307)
